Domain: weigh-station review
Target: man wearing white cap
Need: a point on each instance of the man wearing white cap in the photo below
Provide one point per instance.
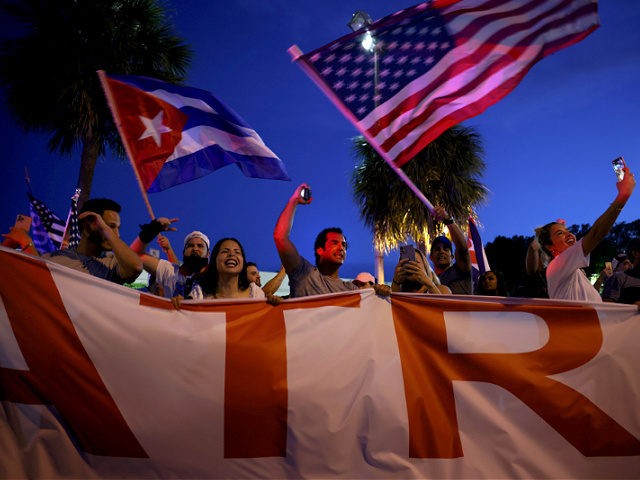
(364, 280)
(172, 279)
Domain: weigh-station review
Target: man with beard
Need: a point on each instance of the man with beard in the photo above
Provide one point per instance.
(170, 278)
(101, 252)
(456, 275)
(330, 251)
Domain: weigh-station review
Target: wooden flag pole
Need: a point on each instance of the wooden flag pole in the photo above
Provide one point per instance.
(116, 119)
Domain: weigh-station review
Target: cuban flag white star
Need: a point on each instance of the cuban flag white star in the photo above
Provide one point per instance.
(154, 127)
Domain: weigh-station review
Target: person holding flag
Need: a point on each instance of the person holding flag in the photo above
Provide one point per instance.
(99, 223)
(173, 278)
(456, 275)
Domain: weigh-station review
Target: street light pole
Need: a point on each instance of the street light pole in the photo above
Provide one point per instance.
(360, 20)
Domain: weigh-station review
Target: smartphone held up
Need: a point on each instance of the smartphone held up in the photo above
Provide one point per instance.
(618, 167)
(408, 252)
(305, 193)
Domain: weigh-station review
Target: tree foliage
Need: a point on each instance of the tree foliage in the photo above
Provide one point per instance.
(447, 172)
(48, 74)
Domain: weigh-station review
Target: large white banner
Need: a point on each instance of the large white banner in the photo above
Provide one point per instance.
(100, 381)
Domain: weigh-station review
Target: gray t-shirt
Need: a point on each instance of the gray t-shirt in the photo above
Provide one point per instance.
(307, 280)
(623, 287)
(460, 283)
(102, 267)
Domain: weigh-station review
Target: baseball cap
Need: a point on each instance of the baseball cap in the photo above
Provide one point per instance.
(443, 240)
(197, 234)
(365, 277)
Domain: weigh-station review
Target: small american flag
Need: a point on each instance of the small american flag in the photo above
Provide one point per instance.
(47, 229)
(74, 230)
(439, 63)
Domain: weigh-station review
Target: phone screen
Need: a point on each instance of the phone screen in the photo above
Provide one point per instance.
(305, 193)
(407, 251)
(618, 165)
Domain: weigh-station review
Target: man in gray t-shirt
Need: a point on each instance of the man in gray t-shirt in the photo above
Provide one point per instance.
(330, 251)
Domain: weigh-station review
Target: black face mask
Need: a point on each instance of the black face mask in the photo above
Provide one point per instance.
(194, 263)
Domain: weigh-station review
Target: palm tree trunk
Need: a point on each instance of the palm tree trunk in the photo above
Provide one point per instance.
(379, 266)
(88, 160)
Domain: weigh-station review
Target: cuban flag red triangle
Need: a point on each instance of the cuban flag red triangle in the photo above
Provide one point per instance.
(151, 127)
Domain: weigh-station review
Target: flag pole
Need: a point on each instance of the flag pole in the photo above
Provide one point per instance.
(28, 180)
(65, 237)
(116, 119)
(296, 56)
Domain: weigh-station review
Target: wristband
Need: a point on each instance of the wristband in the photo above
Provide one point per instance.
(149, 231)
(448, 221)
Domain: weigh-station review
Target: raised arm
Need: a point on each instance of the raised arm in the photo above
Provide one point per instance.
(288, 252)
(603, 224)
(19, 237)
(272, 286)
(165, 244)
(462, 256)
(129, 263)
(147, 233)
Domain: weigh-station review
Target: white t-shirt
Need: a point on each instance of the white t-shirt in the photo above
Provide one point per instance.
(254, 292)
(565, 280)
(169, 277)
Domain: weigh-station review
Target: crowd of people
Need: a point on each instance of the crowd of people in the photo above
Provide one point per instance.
(554, 260)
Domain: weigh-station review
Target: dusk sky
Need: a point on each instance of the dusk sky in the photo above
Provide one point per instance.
(548, 144)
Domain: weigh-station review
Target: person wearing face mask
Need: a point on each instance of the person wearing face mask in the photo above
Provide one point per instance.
(173, 279)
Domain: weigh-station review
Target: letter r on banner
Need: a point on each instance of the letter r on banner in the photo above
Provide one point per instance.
(429, 369)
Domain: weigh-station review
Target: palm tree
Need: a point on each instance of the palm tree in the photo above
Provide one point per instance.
(446, 171)
(49, 73)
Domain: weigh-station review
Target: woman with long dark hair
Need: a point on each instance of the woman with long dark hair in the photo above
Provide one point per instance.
(226, 275)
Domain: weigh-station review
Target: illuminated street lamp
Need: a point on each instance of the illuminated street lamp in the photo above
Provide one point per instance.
(359, 20)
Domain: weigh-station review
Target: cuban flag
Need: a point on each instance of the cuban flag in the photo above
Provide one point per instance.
(479, 259)
(175, 134)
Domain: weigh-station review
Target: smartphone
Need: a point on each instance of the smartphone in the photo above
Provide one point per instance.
(305, 193)
(618, 165)
(23, 221)
(407, 251)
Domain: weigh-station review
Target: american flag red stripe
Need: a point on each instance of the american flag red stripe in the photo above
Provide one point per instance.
(435, 67)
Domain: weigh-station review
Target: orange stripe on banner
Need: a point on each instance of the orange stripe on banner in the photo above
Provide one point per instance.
(256, 393)
(575, 337)
(60, 371)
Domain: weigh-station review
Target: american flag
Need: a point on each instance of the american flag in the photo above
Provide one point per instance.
(47, 230)
(439, 63)
(74, 230)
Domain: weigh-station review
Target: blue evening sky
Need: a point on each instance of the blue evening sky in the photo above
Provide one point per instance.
(549, 144)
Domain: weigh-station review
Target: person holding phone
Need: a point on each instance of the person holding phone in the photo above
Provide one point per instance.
(330, 249)
(413, 274)
(18, 236)
(565, 279)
